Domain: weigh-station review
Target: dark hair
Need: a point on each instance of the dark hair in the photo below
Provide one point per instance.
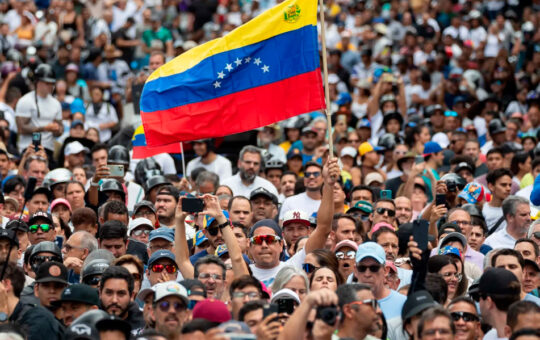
(83, 216)
(313, 163)
(436, 262)
(498, 150)
(362, 187)
(434, 312)
(198, 324)
(238, 198)
(535, 163)
(384, 200)
(347, 293)
(437, 287)
(98, 147)
(383, 230)
(11, 184)
(113, 229)
(15, 275)
(295, 245)
(130, 259)
(465, 299)
(525, 331)
(169, 190)
(74, 182)
(27, 254)
(507, 252)
(326, 258)
(479, 221)
(339, 279)
(528, 240)
(339, 216)
(117, 272)
(288, 172)
(463, 158)
(250, 306)
(65, 228)
(520, 157)
(494, 175)
(114, 207)
(209, 259)
(190, 284)
(243, 282)
(519, 308)
(410, 133)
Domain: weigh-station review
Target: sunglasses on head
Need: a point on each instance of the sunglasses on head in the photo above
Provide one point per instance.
(351, 254)
(467, 317)
(308, 268)
(158, 268)
(313, 174)
(374, 268)
(166, 305)
(269, 239)
(390, 212)
(373, 303)
(44, 228)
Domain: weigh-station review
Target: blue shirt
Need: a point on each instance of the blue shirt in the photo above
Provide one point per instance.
(392, 304)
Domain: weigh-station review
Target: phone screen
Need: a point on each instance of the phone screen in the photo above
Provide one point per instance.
(192, 204)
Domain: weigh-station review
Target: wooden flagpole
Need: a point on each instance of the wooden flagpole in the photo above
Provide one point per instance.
(325, 79)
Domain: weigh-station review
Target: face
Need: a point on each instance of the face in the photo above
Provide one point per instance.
(241, 212)
(287, 185)
(527, 250)
(73, 247)
(265, 255)
(263, 208)
(324, 278)
(115, 297)
(146, 213)
(476, 237)
(472, 150)
(309, 141)
(502, 187)
(48, 292)
(363, 315)
(4, 250)
(345, 230)
(41, 236)
(374, 279)
(390, 244)
(75, 160)
(116, 246)
(465, 330)
(510, 263)
(75, 195)
(246, 294)
(141, 234)
(4, 165)
(463, 219)
(315, 180)
(527, 320)
(438, 328)
(8, 210)
(298, 285)
(158, 271)
(449, 273)
(388, 208)
(38, 202)
(155, 62)
(37, 169)
(494, 161)
(253, 319)
(72, 310)
(18, 194)
(293, 231)
(403, 209)
(522, 220)
(211, 275)
(346, 260)
(531, 279)
(99, 158)
(137, 276)
(361, 195)
(165, 206)
(249, 166)
(63, 212)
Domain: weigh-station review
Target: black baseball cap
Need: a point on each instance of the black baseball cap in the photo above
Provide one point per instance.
(416, 303)
(144, 203)
(9, 234)
(52, 272)
(114, 323)
(79, 293)
(40, 214)
(17, 225)
(43, 190)
(498, 281)
(263, 192)
(266, 223)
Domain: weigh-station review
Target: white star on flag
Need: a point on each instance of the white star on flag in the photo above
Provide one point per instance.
(247, 60)
(238, 61)
(221, 75)
(217, 84)
(265, 68)
(229, 67)
(257, 61)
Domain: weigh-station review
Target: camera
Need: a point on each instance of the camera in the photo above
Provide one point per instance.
(328, 314)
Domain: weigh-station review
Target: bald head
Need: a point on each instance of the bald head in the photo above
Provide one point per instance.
(403, 209)
(462, 218)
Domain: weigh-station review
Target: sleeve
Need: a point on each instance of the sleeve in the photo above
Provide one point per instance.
(58, 115)
(298, 259)
(535, 194)
(23, 108)
(285, 207)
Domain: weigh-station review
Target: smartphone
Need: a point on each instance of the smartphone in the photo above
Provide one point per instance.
(270, 308)
(192, 205)
(418, 159)
(116, 170)
(36, 140)
(420, 233)
(285, 306)
(440, 199)
(386, 194)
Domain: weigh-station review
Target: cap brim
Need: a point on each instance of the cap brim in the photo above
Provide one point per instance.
(417, 309)
(51, 279)
(467, 197)
(370, 256)
(297, 220)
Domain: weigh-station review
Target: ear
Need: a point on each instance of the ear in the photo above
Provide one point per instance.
(507, 331)
(490, 187)
(36, 289)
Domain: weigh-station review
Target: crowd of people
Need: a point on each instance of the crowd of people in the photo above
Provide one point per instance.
(422, 222)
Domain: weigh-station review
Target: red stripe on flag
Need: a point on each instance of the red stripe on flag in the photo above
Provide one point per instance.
(149, 151)
(237, 112)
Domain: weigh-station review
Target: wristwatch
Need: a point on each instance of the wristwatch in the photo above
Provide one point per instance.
(3, 317)
(224, 224)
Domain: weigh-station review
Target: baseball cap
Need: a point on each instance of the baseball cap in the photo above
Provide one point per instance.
(370, 249)
(209, 219)
(141, 221)
(163, 232)
(211, 310)
(221, 250)
(532, 264)
(260, 191)
(8, 199)
(380, 225)
(9, 234)
(391, 265)
(60, 201)
(79, 293)
(431, 147)
(233, 326)
(40, 214)
(285, 293)
(72, 67)
(143, 293)
(363, 123)
(498, 281)
(348, 151)
(346, 243)
(373, 177)
(309, 129)
(363, 206)
(144, 203)
(294, 152)
(170, 288)
(454, 236)
(449, 250)
(296, 216)
(343, 98)
(52, 272)
(266, 223)
(113, 322)
(77, 122)
(161, 254)
(74, 148)
(17, 225)
(81, 331)
(463, 166)
(200, 237)
(367, 147)
(416, 303)
(474, 192)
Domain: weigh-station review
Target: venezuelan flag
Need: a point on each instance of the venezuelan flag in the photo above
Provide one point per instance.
(141, 150)
(262, 72)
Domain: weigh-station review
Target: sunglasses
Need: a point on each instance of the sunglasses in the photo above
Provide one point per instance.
(250, 295)
(315, 174)
(206, 276)
(141, 231)
(374, 268)
(390, 212)
(166, 305)
(351, 254)
(192, 304)
(308, 268)
(269, 239)
(467, 317)
(372, 302)
(92, 280)
(158, 268)
(213, 231)
(39, 260)
(44, 228)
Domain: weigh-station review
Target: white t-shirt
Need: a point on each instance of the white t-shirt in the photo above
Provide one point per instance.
(301, 201)
(50, 110)
(239, 189)
(106, 114)
(221, 166)
(267, 276)
(165, 161)
(492, 215)
(9, 115)
(492, 335)
(500, 239)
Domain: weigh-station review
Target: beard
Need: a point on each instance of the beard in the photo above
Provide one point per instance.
(246, 177)
(123, 311)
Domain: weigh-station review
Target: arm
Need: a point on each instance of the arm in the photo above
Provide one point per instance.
(5, 86)
(318, 237)
(373, 104)
(409, 184)
(402, 102)
(93, 192)
(181, 246)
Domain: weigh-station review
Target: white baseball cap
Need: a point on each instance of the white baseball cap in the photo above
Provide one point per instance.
(348, 151)
(141, 221)
(297, 216)
(170, 288)
(74, 148)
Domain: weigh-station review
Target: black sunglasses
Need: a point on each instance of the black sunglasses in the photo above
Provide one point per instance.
(467, 317)
(390, 212)
(374, 268)
(213, 231)
(92, 280)
(537, 234)
(308, 268)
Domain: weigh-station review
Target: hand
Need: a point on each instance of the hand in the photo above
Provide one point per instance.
(74, 263)
(319, 152)
(321, 297)
(179, 214)
(184, 184)
(321, 330)
(331, 171)
(101, 172)
(51, 127)
(41, 152)
(269, 328)
(11, 75)
(418, 169)
(441, 188)
(211, 206)
(437, 212)
(163, 277)
(414, 251)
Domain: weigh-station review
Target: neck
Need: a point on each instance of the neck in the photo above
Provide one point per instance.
(350, 330)
(166, 220)
(432, 164)
(41, 92)
(380, 292)
(339, 207)
(498, 322)
(515, 232)
(496, 202)
(314, 195)
(208, 158)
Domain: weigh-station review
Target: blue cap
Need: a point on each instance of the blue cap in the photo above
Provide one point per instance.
(449, 250)
(344, 98)
(211, 219)
(221, 250)
(200, 237)
(77, 122)
(293, 152)
(371, 249)
(459, 99)
(431, 147)
(363, 123)
(161, 254)
(77, 106)
(163, 232)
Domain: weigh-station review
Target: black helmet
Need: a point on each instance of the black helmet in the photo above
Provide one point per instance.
(454, 181)
(118, 154)
(154, 181)
(274, 164)
(472, 210)
(94, 267)
(111, 184)
(89, 318)
(388, 141)
(45, 246)
(392, 115)
(496, 126)
(144, 168)
(44, 73)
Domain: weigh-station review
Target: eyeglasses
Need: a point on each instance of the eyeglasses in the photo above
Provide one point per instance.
(269, 239)
(166, 305)
(206, 276)
(250, 295)
(467, 317)
(213, 231)
(44, 228)
(315, 174)
(141, 231)
(372, 302)
(92, 280)
(433, 331)
(457, 276)
(39, 260)
(158, 268)
(308, 268)
(390, 212)
(351, 254)
(374, 268)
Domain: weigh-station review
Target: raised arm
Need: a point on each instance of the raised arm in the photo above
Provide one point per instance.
(181, 246)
